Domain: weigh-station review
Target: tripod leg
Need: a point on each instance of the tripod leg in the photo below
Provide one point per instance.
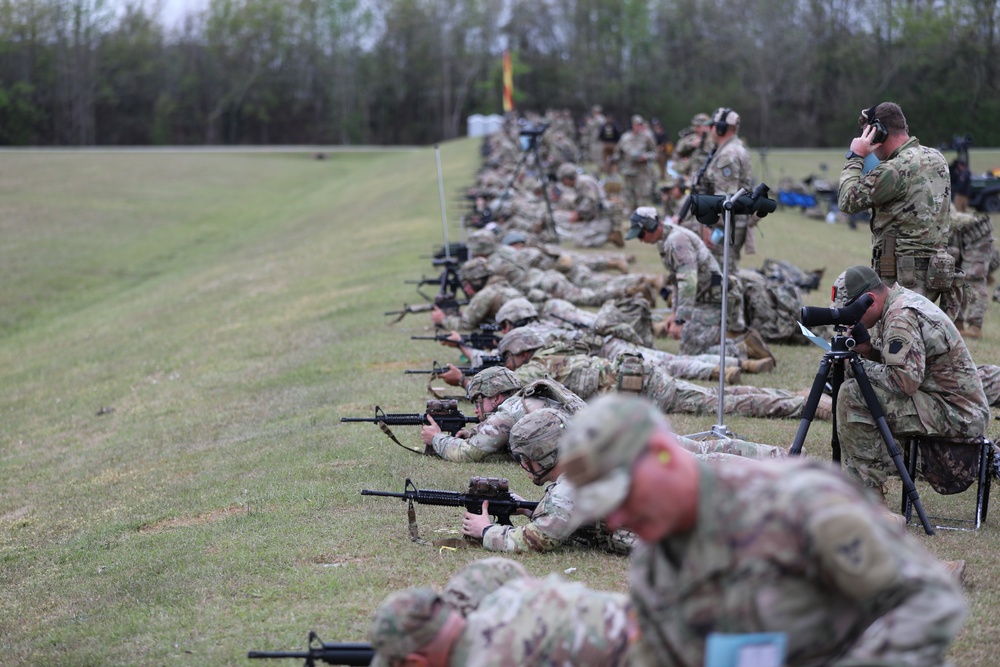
(809, 411)
(890, 442)
(551, 226)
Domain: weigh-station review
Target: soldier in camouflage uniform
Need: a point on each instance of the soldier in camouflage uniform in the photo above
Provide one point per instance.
(534, 443)
(501, 400)
(525, 353)
(527, 621)
(921, 372)
(469, 586)
(728, 171)
(694, 144)
(971, 244)
(635, 155)
(786, 546)
(909, 193)
(581, 212)
(590, 144)
(990, 377)
(484, 299)
(697, 291)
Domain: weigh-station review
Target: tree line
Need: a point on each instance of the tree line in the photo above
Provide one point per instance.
(96, 72)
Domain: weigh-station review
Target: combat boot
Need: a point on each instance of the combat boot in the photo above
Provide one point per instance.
(732, 374)
(619, 263)
(757, 365)
(564, 264)
(616, 239)
(756, 347)
(824, 409)
(972, 331)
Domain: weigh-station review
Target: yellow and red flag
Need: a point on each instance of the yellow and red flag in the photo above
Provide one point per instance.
(508, 83)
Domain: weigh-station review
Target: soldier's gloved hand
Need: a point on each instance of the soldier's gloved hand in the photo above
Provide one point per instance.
(859, 332)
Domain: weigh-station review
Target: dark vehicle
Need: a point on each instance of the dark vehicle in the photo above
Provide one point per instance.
(985, 193)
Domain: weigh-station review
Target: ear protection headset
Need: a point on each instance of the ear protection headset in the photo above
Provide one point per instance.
(646, 223)
(722, 121)
(881, 134)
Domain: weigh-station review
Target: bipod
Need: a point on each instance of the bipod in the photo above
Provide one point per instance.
(832, 367)
(532, 150)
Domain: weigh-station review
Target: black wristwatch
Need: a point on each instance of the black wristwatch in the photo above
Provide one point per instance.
(851, 154)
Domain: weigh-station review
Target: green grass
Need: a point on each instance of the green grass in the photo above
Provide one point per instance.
(227, 310)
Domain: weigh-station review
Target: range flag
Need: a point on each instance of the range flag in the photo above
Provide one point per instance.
(508, 83)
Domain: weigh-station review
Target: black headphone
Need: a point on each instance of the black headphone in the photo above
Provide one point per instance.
(881, 134)
(721, 126)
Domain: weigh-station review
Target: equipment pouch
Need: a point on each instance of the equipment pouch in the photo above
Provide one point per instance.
(631, 372)
(940, 272)
(906, 273)
(715, 289)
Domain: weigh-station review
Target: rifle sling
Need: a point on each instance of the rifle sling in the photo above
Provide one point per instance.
(385, 429)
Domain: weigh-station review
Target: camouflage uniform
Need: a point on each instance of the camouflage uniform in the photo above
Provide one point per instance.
(971, 244)
(547, 621)
(588, 376)
(728, 172)
(551, 526)
(697, 303)
(910, 193)
(590, 144)
(482, 307)
(990, 377)
(594, 222)
(492, 435)
(792, 547)
(539, 285)
(772, 307)
(693, 148)
(926, 383)
(635, 155)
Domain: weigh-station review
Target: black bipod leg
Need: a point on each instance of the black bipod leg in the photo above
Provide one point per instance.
(897, 457)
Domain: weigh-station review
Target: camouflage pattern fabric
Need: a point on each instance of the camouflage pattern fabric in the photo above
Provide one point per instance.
(482, 307)
(728, 172)
(990, 377)
(547, 621)
(793, 547)
(926, 383)
(589, 376)
(635, 155)
(688, 367)
(910, 193)
(771, 307)
(467, 587)
(690, 154)
(551, 526)
(971, 244)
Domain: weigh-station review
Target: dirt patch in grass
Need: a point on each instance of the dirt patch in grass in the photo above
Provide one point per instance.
(328, 560)
(197, 520)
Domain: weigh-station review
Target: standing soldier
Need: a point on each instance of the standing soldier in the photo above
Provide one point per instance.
(635, 155)
(609, 134)
(728, 171)
(971, 245)
(909, 193)
(590, 143)
(664, 147)
(693, 145)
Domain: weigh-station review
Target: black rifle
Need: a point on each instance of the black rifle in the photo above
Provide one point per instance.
(694, 183)
(489, 361)
(578, 325)
(447, 303)
(350, 654)
(476, 340)
(444, 412)
(448, 283)
(494, 489)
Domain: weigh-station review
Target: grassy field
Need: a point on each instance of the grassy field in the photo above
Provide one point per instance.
(179, 336)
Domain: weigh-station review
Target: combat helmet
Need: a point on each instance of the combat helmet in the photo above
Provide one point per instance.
(566, 170)
(481, 243)
(517, 311)
(519, 340)
(536, 438)
(467, 587)
(492, 381)
(476, 269)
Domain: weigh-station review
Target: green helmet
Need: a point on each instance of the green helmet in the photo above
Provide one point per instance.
(481, 243)
(492, 381)
(519, 340)
(566, 170)
(516, 310)
(474, 269)
(536, 438)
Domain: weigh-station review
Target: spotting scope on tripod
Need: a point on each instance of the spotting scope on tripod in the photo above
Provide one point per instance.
(831, 369)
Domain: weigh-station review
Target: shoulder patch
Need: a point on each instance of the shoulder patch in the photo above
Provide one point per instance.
(727, 171)
(851, 551)
(895, 351)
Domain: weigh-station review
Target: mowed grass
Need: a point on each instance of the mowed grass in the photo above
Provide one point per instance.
(179, 336)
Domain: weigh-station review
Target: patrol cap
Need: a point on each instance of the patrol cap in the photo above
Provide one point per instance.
(566, 170)
(700, 119)
(467, 587)
(482, 242)
(510, 238)
(406, 622)
(644, 219)
(857, 281)
(638, 120)
(601, 443)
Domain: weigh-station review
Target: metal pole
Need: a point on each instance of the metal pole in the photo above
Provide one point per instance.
(444, 215)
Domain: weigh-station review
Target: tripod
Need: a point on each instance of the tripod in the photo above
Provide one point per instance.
(532, 149)
(720, 430)
(841, 350)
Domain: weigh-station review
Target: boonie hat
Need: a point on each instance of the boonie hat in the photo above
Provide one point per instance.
(601, 443)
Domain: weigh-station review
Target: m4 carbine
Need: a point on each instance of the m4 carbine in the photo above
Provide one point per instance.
(444, 412)
(494, 489)
(476, 340)
(350, 654)
(437, 369)
(447, 303)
